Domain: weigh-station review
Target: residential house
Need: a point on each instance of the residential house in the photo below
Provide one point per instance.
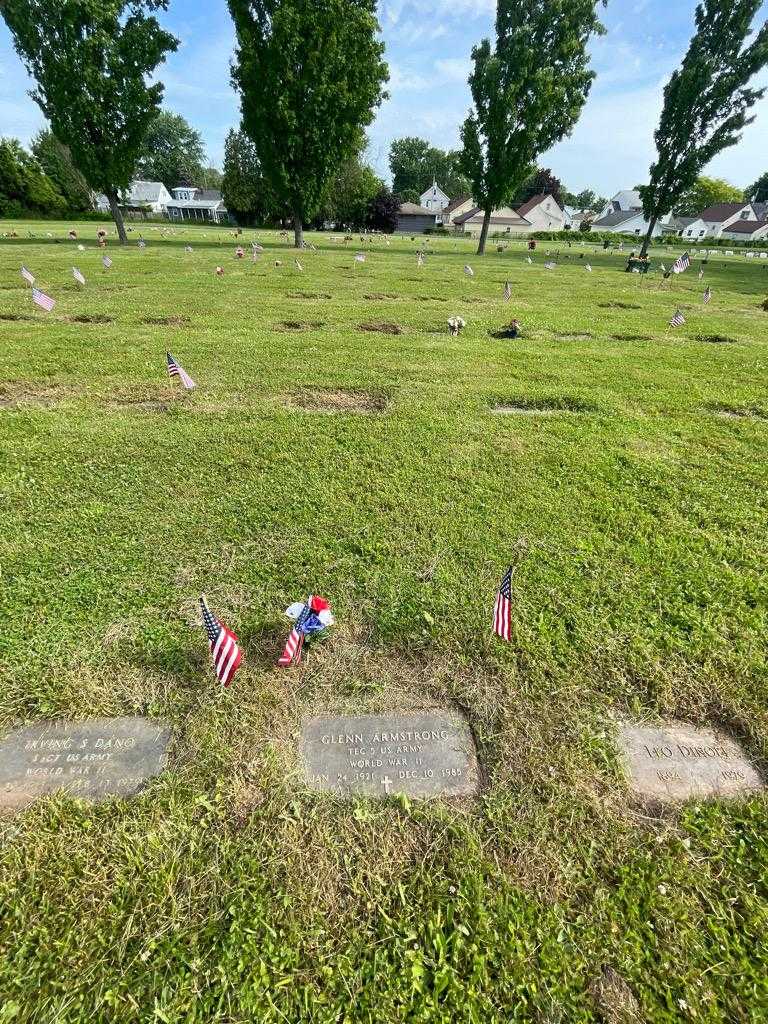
(678, 226)
(722, 215)
(200, 204)
(746, 231)
(434, 198)
(412, 218)
(624, 201)
(543, 213)
(691, 228)
(141, 197)
(504, 221)
(625, 222)
(454, 209)
(575, 218)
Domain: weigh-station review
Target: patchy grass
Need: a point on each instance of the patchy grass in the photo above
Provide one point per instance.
(629, 486)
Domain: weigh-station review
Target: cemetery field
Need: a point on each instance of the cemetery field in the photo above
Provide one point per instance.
(341, 442)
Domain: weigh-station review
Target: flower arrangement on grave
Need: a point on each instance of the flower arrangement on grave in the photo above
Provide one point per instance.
(310, 618)
(456, 325)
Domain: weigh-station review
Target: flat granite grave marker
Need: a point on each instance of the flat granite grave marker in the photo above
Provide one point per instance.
(92, 760)
(423, 754)
(676, 761)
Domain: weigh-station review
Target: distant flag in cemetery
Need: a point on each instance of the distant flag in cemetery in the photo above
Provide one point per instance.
(28, 277)
(707, 295)
(550, 265)
(507, 291)
(309, 618)
(419, 260)
(359, 257)
(256, 247)
(142, 244)
(469, 271)
(176, 370)
(529, 259)
(502, 609)
(588, 267)
(299, 266)
(681, 264)
(187, 248)
(106, 261)
(78, 276)
(43, 300)
(677, 320)
(223, 645)
(701, 273)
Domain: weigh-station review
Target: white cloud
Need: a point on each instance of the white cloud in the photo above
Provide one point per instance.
(453, 69)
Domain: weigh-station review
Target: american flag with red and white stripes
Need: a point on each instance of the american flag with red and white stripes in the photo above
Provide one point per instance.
(295, 643)
(677, 320)
(78, 276)
(507, 291)
(177, 370)
(223, 645)
(43, 300)
(502, 609)
(106, 261)
(707, 295)
(28, 276)
(681, 264)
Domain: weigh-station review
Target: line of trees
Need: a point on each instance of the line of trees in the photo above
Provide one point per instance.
(311, 73)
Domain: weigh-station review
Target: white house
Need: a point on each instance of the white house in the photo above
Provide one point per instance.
(504, 221)
(722, 215)
(145, 196)
(434, 199)
(456, 207)
(624, 201)
(192, 203)
(746, 231)
(543, 213)
(627, 222)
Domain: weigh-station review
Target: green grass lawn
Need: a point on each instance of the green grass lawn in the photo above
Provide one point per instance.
(630, 486)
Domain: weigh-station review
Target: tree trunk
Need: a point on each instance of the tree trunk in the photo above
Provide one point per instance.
(298, 230)
(648, 237)
(484, 232)
(117, 216)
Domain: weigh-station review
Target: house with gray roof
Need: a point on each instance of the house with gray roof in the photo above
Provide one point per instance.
(141, 197)
(626, 222)
(412, 218)
(192, 203)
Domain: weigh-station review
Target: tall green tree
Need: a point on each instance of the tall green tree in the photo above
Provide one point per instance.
(415, 164)
(541, 182)
(706, 192)
(24, 186)
(310, 75)
(706, 101)
(354, 189)
(527, 91)
(758, 192)
(90, 60)
(244, 189)
(171, 151)
(56, 160)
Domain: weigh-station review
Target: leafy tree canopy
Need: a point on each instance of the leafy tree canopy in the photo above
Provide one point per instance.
(172, 151)
(310, 75)
(758, 191)
(352, 192)
(707, 192)
(706, 101)
(541, 181)
(527, 92)
(587, 199)
(415, 164)
(382, 211)
(90, 60)
(56, 161)
(24, 187)
(246, 193)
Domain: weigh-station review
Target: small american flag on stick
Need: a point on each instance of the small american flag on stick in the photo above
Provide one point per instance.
(681, 264)
(502, 609)
(507, 291)
(176, 370)
(677, 320)
(106, 262)
(299, 266)
(550, 265)
(701, 273)
(295, 643)
(78, 276)
(359, 257)
(588, 268)
(707, 295)
(223, 645)
(27, 275)
(469, 271)
(43, 300)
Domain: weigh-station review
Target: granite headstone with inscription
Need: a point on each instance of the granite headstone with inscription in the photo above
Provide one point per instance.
(425, 754)
(92, 760)
(676, 761)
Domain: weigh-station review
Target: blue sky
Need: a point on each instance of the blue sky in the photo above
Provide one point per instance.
(428, 44)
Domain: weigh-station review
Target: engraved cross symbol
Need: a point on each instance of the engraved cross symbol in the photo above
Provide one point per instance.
(386, 783)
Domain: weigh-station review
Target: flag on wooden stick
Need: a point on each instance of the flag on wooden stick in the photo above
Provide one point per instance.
(502, 609)
(507, 291)
(176, 370)
(681, 264)
(707, 295)
(223, 645)
(78, 276)
(27, 275)
(678, 319)
(106, 261)
(43, 300)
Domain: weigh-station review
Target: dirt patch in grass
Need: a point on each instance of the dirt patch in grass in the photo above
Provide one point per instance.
(716, 339)
(167, 321)
(300, 325)
(739, 412)
(471, 298)
(574, 335)
(89, 318)
(524, 406)
(430, 298)
(335, 400)
(20, 394)
(380, 296)
(618, 305)
(15, 316)
(614, 999)
(308, 295)
(383, 328)
(631, 337)
(139, 405)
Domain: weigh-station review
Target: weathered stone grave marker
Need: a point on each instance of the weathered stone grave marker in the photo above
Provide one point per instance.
(92, 760)
(423, 754)
(676, 761)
